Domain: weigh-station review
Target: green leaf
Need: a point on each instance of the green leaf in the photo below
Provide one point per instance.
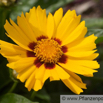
(52, 5)
(4, 14)
(14, 98)
(96, 32)
(22, 6)
(42, 94)
(94, 22)
(52, 8)
(4, 73)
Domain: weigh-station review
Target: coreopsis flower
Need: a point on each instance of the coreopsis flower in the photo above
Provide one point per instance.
(52, 46)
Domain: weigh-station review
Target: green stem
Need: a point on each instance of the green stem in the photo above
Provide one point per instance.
(13, 87)
(33, 95)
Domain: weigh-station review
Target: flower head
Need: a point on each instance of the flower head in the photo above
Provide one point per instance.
(52, 46)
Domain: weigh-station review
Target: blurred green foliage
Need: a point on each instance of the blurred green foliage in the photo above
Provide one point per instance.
(51, 90)
(14, 98)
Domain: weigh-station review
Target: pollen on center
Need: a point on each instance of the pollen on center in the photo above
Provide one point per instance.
(48, 50)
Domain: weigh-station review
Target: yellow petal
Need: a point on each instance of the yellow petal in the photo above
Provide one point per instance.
(50, 25)
(86, 63)
(79, 84)
(13, 58)
(46, 75)
(22, 64)
(68, 17)
(58, 16)
(61, 72)
(77, 68)
(33, 83)
(71, 27)
(14, 35)
(23, 75)
(40, 72)
(24, 25)
(78, 31)
(80, 53)
(30, 82)
(42, 19)
(74, 43)
(38, 85)
(38, 20)
(33, 21)
(8, 49)
(73, 75)
(87, 44)
(69, 24)
(90, 57)
(73, 87)
(54, 75)
(32, 17)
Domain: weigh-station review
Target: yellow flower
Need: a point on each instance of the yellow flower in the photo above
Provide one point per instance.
(52, 46)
